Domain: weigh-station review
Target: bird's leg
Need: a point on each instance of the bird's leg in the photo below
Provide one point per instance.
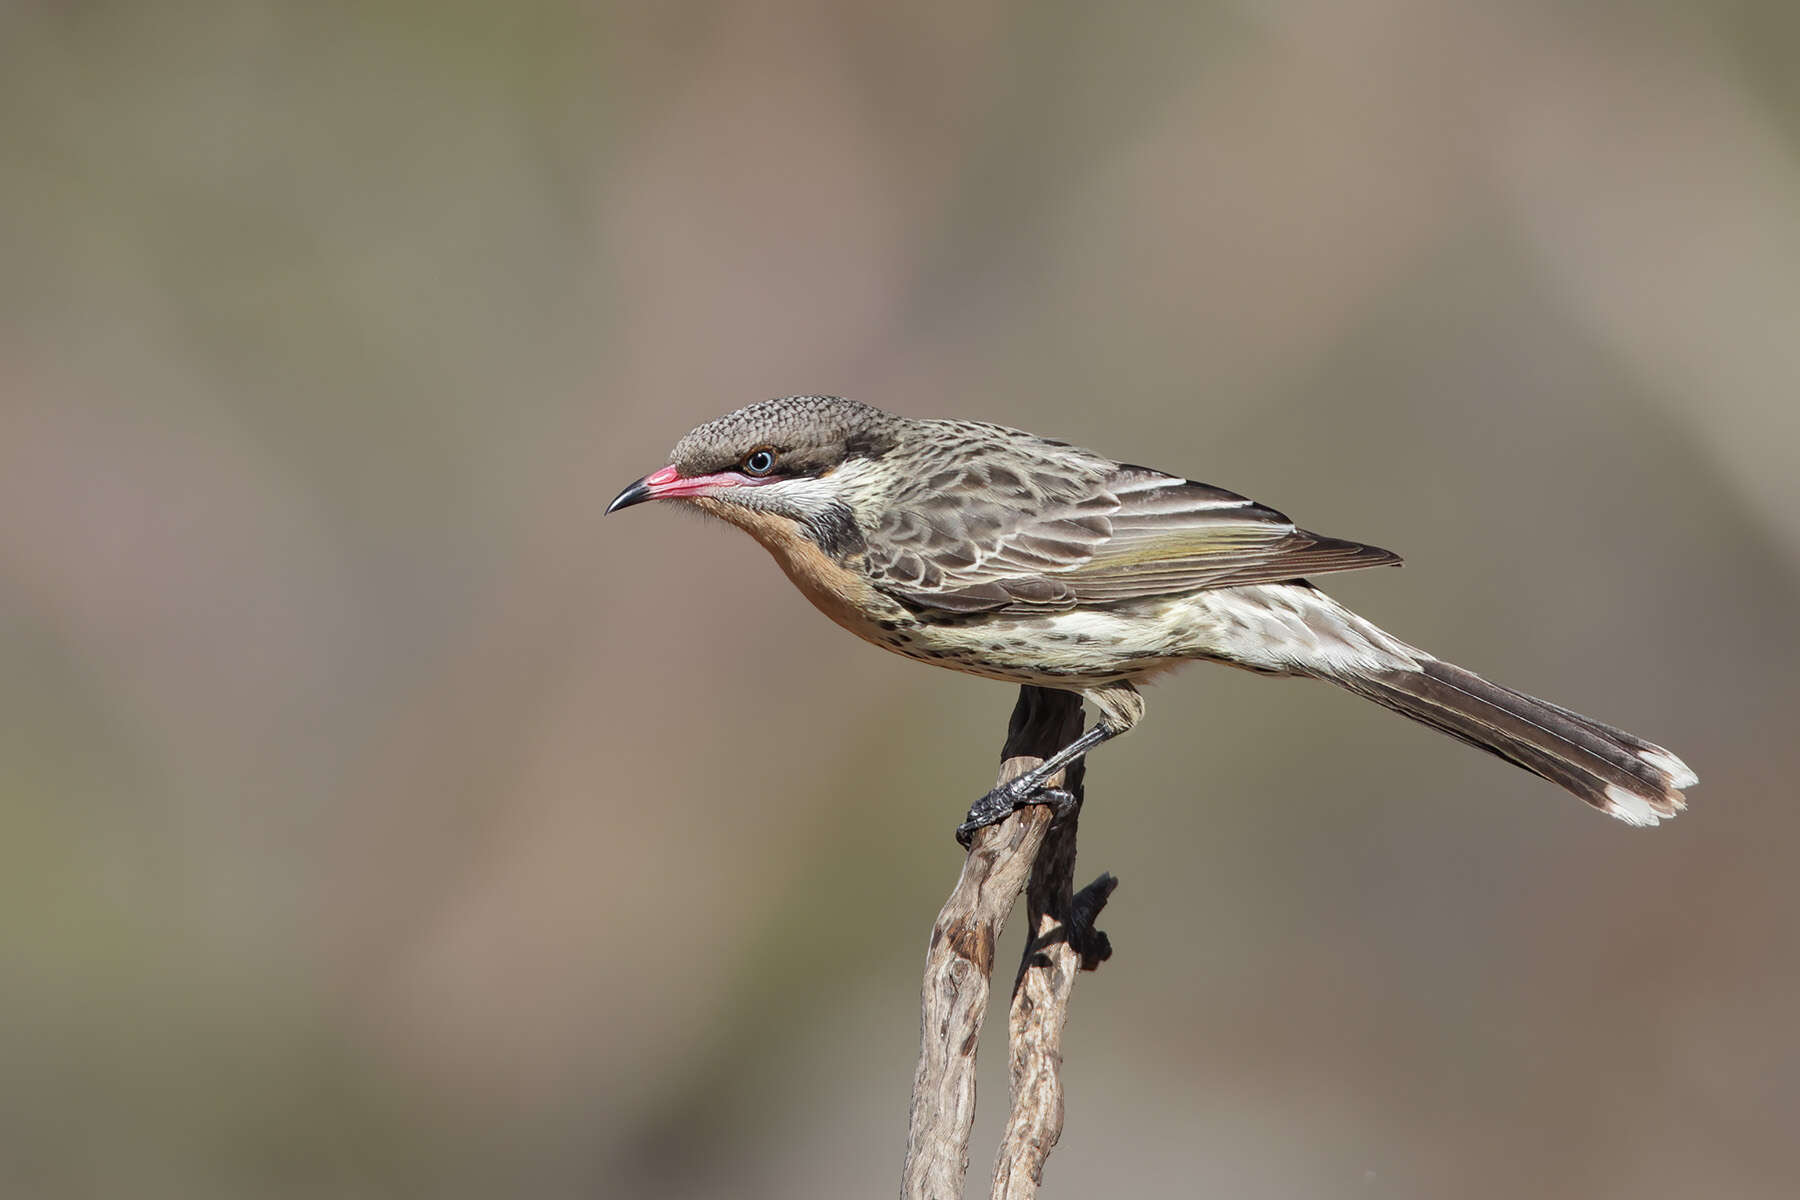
(1031, 787)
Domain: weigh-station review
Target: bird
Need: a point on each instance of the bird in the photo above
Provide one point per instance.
(1025, 559)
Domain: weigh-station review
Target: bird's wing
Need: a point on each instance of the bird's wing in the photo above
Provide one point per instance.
(1048, 528)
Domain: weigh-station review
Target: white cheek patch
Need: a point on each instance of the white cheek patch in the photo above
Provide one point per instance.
(803, 496)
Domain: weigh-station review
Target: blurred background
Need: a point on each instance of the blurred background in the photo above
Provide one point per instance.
(376, 820)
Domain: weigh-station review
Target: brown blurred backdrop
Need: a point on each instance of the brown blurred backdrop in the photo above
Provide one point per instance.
(376, 820)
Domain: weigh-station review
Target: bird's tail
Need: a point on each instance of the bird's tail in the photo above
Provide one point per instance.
(1619, 774)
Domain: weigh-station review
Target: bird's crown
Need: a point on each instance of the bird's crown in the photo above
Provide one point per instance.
(804, 434)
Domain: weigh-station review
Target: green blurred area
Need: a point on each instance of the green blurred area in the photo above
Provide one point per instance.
(375, 820)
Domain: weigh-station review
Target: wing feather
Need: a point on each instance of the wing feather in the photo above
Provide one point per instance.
(1006, 522)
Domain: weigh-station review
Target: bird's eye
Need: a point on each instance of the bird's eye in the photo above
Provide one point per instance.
(759, 462)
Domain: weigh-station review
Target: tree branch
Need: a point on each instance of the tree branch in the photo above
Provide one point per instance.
(1002, 860)
(1062, 942)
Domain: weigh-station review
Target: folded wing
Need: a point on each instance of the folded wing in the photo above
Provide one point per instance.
(1056, 529)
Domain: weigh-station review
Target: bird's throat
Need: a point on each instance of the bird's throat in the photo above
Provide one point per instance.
(830, 581)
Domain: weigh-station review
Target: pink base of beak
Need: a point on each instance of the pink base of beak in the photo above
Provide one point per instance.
(668, 484)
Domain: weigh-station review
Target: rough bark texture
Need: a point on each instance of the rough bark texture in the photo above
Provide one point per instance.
(1063, 941)
(1002, 860)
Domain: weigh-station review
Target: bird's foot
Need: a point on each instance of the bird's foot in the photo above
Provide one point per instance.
(1006, 799)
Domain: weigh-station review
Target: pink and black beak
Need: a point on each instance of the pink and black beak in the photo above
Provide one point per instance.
(645, 489)
(670, 484)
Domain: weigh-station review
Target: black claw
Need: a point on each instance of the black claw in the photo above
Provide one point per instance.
(1006, 799)
(1062, 800)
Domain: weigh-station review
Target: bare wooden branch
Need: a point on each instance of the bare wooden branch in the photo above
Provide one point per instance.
(954, 998)
(1062, 942)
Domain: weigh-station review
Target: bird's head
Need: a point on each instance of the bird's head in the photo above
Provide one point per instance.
(800, 458)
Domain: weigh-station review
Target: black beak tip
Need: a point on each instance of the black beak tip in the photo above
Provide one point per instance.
(636, 493)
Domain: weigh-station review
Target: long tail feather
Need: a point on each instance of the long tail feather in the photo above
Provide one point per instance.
(1620, 774)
